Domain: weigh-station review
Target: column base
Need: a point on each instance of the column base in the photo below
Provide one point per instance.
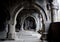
(44, 36)
(11, 36)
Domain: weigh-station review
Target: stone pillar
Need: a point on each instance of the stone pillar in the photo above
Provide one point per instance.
(11, 31)
(55, 7)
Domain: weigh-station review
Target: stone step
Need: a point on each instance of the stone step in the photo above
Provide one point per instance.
(30, 35)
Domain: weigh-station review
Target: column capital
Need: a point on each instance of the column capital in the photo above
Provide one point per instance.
(55, 4)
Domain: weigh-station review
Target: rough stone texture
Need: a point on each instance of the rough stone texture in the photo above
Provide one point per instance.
(13, 8)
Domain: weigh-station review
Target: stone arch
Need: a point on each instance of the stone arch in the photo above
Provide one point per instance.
(18, 10)
(33, 20)
(43, 14)
(41, 11)
(36, 6)
(33, 14)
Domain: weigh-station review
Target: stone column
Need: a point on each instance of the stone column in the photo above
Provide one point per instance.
(11, 31)
(55, 7)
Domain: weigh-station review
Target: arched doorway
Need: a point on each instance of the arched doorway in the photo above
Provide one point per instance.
(29, 24)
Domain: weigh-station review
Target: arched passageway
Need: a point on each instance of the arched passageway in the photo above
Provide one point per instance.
(27, 19)
(16, 8)
(29, 24)
(37, 18)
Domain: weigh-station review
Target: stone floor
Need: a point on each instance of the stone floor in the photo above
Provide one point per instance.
(23, 41)
(26, 36)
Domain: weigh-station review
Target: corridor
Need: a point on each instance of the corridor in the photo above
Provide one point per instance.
(26, 36)
(27, 20)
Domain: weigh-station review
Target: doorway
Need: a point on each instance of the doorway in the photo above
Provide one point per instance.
(29, 24)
